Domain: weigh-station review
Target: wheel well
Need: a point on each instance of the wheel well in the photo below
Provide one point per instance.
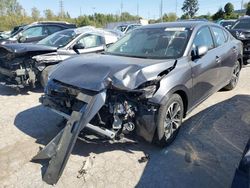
(184, 99)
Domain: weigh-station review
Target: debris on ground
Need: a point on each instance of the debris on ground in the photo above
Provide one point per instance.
(144, 159)
(85, 167)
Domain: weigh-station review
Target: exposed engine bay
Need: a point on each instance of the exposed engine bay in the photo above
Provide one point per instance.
(122, 113)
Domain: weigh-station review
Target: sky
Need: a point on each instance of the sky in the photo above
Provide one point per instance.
(147, 8)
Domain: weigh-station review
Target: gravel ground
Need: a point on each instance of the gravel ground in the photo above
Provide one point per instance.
(205, 153)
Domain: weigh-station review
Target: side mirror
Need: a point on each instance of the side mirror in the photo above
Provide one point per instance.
(108, 45)
(228, 26)
(199, 51)
(77, 47)
(21, 39)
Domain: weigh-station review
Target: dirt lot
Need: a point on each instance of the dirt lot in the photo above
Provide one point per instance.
(205, 153)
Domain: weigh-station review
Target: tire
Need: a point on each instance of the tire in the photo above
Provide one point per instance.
(235, 77)
(167, 132)
(44, 75)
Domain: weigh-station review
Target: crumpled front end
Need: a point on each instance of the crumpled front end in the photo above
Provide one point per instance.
(124, 111)
(111, 113)
(110, 101)
(17, 71)
(17, 68)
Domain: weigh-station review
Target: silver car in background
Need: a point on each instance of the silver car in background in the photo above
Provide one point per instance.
(24, 65)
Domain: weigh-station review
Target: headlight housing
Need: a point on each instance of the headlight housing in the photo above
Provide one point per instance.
(148, 91)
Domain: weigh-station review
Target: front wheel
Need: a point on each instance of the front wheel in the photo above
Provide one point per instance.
(235, 77)
(169, 120)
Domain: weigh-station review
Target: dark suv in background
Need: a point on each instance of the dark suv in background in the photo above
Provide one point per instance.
(241, 31)
(36, 31)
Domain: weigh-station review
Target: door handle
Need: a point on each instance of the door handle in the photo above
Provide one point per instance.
(218, 59)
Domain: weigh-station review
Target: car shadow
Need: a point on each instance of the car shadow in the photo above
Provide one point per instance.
(205, 154)
(12, 91)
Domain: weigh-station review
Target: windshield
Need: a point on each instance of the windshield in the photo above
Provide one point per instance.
(242, 24)
(153, 43)
(59, 39)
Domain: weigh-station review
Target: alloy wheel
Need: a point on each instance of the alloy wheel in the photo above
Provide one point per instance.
(172, 120)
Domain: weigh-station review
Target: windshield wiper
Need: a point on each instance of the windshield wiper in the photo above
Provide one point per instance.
(125, 55)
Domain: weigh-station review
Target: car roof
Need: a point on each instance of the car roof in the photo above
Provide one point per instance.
(244, 18)
(186, 24)
(90, 29)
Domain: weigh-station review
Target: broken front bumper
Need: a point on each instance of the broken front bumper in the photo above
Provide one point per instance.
(60, 148)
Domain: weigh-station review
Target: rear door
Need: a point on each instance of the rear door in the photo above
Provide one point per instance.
(227, 54)
(205, 70)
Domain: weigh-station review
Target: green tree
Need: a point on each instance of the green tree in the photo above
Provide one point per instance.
(190, 7)
(248, 9)
(218, 15)
(170, 17)
(35, 14)
(185, 16)
(49, 15)
(229, 9)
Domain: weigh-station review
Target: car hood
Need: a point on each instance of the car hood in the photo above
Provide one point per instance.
(97, 72)
(21, 49)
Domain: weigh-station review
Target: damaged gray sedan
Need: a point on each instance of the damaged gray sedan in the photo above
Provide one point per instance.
(145, 83)
(24, 65)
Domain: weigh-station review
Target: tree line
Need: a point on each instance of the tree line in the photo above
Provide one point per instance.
(13, 14)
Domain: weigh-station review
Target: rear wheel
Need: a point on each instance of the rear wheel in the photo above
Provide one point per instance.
(45, 75)
(235, 77)
(169, 120)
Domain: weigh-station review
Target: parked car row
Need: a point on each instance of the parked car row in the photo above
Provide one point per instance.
(28, 64)
(144, 83)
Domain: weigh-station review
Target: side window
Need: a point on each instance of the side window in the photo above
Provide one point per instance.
(219, 36)
(90, 41)
(203, 38)
(53, 29)
(33, 32)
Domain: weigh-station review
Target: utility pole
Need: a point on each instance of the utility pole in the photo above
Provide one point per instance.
(161, 10)
(121, 9)
(61, 6)
(242, 4)
(176, 5)
(137, 9)
(93, 8)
